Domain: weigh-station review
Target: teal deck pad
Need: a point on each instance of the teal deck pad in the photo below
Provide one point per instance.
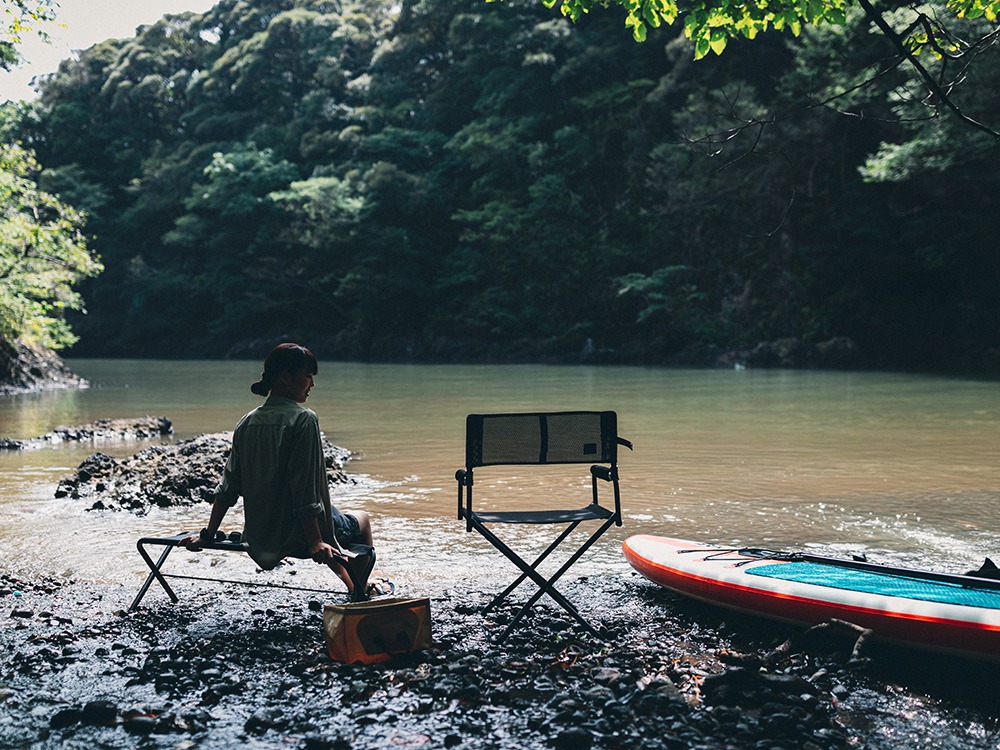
(885, 584)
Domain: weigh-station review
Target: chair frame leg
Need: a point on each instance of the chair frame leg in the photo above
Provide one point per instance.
(545, 586)
(524, 576)
(558, 574)
(154, 572)
(359, 579)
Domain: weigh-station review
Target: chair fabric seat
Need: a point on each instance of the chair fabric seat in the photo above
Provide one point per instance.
(589, 513)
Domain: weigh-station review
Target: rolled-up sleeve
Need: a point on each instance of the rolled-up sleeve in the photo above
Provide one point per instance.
(229, 488)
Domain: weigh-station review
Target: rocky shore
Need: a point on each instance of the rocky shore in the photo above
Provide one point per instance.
(248, 667)
(25, 368)
(99, 431)
(184, 473)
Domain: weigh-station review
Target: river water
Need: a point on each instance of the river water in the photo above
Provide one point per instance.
(901, 467)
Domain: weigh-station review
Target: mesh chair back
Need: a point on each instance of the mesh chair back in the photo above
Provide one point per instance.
(544, 438)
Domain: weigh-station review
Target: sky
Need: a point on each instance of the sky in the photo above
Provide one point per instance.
(87, 23)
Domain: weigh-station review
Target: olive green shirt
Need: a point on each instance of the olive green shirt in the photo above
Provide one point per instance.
(277, 465)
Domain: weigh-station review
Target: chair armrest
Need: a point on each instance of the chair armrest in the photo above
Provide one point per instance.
(464, 479)
(602, 472)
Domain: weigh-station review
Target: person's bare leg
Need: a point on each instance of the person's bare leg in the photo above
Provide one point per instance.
(365, 528)
(365, 525)
(343, 575)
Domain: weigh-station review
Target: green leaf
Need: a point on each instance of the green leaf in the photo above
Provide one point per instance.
(701, 46)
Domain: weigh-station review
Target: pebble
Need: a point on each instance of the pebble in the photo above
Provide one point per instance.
(65, 717)
(100, 712)
(140, 725)
(573, 739)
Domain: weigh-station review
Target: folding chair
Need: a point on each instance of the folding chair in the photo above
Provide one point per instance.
(538, 439)
(230, 544)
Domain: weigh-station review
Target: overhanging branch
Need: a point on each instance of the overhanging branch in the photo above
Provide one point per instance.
(928, 79)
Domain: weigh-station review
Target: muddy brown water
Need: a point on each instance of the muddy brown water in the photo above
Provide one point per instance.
(902, 467)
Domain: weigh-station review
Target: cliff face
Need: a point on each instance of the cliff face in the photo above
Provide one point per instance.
(25, 368)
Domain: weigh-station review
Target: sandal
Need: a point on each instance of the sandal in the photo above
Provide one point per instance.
(380, 587)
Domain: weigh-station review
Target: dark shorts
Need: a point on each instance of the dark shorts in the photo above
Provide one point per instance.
(347, 528)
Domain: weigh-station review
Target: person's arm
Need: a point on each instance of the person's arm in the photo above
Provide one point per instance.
(319, 550)
(219, 510)
(226, 493)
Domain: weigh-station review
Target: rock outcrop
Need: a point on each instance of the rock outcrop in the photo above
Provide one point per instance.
(100, 431)
(185, 473)
(25, 368)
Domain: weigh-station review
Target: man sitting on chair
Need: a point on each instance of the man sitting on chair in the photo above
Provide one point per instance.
(277, 465)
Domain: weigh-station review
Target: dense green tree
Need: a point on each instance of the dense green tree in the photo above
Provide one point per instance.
(452, 179)
(42, 255)
(710, 25)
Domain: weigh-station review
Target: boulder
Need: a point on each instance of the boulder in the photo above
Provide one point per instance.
(184, 473)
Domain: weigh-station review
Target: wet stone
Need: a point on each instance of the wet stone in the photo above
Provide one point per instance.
(574, 738)
(140, 725)
(65, 717)
(605, 675)
(100, 712)
(264, 719)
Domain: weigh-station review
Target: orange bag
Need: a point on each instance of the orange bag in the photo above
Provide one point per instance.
(372, 632)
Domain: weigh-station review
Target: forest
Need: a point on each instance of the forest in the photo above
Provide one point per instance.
(456, 180)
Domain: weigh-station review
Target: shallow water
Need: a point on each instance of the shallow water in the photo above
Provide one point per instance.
(903, 467)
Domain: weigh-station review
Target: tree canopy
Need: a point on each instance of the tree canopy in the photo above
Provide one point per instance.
(710, 24)
(451, 179)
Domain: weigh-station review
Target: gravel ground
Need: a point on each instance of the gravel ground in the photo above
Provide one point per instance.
(231, 666)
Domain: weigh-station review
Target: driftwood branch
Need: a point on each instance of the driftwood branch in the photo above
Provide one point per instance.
(835, 627)
(724, 136)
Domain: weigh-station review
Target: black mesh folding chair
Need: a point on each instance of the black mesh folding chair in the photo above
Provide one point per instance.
(578, 437)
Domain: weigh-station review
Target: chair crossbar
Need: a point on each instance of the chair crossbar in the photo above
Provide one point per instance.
(534, 566)
(590, 513)
(544, 585)
(255, 584)
(552, 579)
(171, 542)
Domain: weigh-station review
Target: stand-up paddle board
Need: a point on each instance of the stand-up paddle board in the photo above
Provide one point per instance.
(950, 613)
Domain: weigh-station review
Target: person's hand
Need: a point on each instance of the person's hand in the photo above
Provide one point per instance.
(322, 552)
(191, 541)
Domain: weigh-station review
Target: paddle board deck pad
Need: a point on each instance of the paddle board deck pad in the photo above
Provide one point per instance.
(937, 611)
